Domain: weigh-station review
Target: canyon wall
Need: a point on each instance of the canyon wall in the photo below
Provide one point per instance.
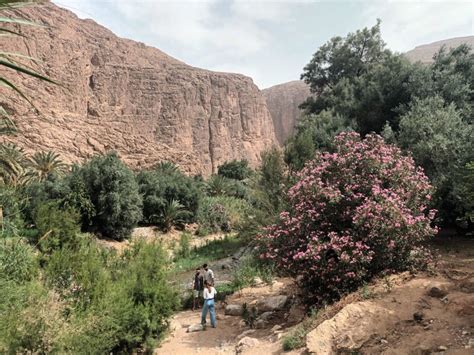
(117, 94)
(283, 103)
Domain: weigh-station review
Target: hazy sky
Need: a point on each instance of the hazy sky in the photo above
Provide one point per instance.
(271, 41)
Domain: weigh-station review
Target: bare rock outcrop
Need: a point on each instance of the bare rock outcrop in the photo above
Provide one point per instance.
(283, 103)
(122, 95)
(425, 52)
(354, 325)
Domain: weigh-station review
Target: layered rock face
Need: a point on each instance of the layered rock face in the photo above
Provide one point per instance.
(424, 53)
(283, 101)
(122, 95)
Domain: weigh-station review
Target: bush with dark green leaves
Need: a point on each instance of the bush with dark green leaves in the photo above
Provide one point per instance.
(313, 132)
(428, 107)
(441, 142)
(235, 169)
(113, 191)
(159, 187)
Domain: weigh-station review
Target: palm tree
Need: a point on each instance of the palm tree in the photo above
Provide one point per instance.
(166, 167)
(43, 164)
(13, 165)
(217, 185)
(173, 214)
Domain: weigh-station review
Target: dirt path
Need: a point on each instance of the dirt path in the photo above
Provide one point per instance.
(224, 338)
(427, 313)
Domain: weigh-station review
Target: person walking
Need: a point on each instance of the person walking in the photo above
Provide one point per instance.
(209, 295)
(208, 275)
(198, 287)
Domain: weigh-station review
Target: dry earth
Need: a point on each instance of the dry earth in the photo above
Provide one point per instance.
(426, 313)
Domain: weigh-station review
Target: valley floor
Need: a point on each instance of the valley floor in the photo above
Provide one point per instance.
(426, 313)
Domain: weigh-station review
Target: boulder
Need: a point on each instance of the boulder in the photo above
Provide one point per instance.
(437, 292)
(195, 328)
(246, 343)
(274, 303)
(233, 310)
(349, 329)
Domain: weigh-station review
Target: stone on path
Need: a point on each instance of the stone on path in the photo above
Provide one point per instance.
(274, 303)
(233, 310)
(246, 343)
(195, 328)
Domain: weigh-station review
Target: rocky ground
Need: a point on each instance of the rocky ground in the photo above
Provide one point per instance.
(427, 313)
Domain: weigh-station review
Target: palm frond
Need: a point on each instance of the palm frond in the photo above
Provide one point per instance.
(19, 21)
(11, 32)
(43, 164)
(26, 71)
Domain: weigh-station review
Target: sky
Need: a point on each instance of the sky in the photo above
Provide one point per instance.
(271, 41)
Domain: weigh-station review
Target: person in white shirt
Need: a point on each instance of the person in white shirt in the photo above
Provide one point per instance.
(209, 294)
(208, 275)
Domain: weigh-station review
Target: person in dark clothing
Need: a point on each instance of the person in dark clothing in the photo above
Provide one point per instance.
(198, 286)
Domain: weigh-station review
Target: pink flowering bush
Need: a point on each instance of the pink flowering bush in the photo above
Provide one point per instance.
(354, 214)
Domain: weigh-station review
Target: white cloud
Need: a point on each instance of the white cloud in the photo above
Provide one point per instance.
(270, 40)
(406, 24)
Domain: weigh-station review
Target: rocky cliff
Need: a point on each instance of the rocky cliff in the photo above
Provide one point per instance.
(122, 95)
(283, 101)
(425, 52)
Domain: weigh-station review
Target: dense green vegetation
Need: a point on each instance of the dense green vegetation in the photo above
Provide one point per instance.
(358, 84)
(336, 207)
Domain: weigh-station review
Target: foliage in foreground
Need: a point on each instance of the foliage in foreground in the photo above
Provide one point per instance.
(354, 214)
(92, 302)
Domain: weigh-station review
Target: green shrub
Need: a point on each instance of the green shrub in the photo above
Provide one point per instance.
(18, 261)
(248, 271)
(31, 319)
(314, 132)
(464, 187)
(137, 306)
(11, 219)
(160, 186)
(294, 340)
(56, 226)
(221, 213)
(78, 272)
(212, 250)
(441, 142)
(184, 248)
(113, 191)
(235, 169)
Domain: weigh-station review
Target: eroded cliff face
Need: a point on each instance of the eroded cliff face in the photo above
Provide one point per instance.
(283, 101)
(425, 52)
(121, 95)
